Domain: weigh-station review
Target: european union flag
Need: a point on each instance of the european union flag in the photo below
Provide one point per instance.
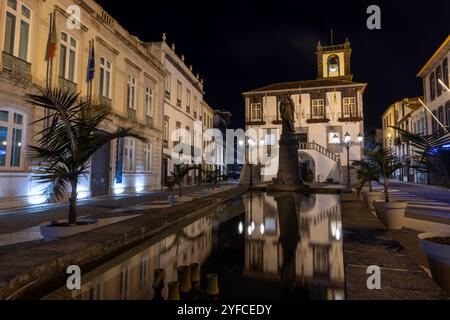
(91, 63)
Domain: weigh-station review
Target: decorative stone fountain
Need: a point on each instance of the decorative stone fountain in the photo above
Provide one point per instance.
(288, 176)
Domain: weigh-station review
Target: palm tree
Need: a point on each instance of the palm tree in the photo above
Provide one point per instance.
(68, 141)
(179, 175)
(385, 163)
(429, 154)
(366, 173)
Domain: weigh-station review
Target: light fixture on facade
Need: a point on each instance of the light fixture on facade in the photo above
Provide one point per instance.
(261, 142)
(347, 137)
(360, 137)
(240, 227)
(241, 142)
(262, 229)
(335, 139)
(4, 143)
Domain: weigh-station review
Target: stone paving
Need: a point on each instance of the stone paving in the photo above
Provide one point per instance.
(367, 243)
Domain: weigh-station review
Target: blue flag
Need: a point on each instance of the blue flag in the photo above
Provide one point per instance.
(91, 62)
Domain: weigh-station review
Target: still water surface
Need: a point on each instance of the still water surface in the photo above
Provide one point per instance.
(262, 246)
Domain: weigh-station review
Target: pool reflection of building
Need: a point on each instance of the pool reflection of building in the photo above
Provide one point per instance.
(312, 232)
(133, 279)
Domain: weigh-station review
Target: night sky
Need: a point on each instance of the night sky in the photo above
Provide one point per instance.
(237, 46)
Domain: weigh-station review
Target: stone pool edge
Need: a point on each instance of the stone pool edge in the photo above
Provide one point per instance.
(38, 265)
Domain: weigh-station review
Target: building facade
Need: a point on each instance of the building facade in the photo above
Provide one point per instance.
(406, 114)
(221, 122)
(127, 77)
(326, 109)
(437, 98)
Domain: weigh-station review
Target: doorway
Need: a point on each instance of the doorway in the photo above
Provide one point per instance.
(100, 169)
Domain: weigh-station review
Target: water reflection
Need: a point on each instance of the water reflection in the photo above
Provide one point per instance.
(262, 246)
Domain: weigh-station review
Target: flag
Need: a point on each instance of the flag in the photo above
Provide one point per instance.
(91, 62)
(300, 96)
(51, 44)
(334, 97)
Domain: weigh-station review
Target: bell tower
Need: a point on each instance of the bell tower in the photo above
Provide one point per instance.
(333, 62)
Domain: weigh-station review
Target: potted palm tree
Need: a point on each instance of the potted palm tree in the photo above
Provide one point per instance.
(432, 156)
(179, 176)
(366, 174)
(68, 140)
(391, 213)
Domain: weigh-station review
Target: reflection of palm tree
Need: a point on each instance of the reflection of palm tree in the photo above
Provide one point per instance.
(289, 238)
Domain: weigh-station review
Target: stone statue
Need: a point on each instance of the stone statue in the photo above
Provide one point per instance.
(287, 108)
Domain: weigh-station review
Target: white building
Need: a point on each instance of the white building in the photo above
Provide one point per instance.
(127, 77)
(437, 98)
(184, 108)
(325, 110)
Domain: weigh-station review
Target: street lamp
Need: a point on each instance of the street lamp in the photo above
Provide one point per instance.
(348, 143)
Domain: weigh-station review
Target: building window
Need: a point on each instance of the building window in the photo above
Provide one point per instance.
(177, 130)
(333, 66)
(166, 130)
(131, 92)
(147, 157)
(17, 29)
(11, 139)
(179, 93)
(434, 124)
(67, 57)
(349, 107)
(440, 115)
(149, 101)
(188, 101)
(167, 84)
(129, 154)
(445, 71)
(438, 77)
(105, 78)
(422, 128)
(195, 107)
(318, 108)
(432, 86)
(255, 112)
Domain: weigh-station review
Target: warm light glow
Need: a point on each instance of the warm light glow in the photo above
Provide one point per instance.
(241, 142)
(389, 135)
(249, 230)
(335, 138)
(261, 142)
(360, 137)
(347, 138)
(262, 229)
(241, 227)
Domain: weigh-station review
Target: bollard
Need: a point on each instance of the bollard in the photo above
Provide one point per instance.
(184, 278)
(213, 284)
(174, 290)
(195, 275)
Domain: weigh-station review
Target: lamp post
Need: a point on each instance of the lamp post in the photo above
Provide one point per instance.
(347, 142)
(249, 144)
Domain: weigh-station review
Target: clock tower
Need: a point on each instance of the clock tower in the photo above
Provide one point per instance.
(333, 62)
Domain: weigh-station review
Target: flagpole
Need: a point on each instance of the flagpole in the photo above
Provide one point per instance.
(47, 83)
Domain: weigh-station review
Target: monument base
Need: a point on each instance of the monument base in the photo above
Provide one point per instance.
(275, 187)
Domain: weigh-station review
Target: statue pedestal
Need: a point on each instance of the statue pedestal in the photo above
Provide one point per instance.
(288, 177)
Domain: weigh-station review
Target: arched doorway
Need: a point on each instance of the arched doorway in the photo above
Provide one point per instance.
(307, 167)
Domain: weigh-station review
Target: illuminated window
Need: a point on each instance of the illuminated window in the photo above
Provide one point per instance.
(129, 154)
(105, 77)
(17, 29)
(318, 108)
(349, 106)
(255, 112)
(67, 57)
(11, 139)
(333, 66)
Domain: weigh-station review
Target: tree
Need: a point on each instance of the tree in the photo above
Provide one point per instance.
(68, 141)
(385, 163)
(366, 173)
(179, 175)
(430, 155)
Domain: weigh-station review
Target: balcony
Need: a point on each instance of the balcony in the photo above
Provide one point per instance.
(67, 85)
(149, 121)
(350, 117)
(312, 118)
(104, 101)
(255, 122)
(131, 114)
(16, 66)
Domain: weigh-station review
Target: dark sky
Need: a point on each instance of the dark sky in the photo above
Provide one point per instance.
(242, 45)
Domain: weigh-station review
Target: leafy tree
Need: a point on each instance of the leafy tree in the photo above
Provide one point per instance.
(67, 142)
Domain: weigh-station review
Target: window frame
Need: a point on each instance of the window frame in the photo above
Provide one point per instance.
(129, 146)
(316, 107)
(10, 125)
(69, 47)
(149, 101)
(432, 85)
(255, 109)
(179, 93)
(105, 88)
(131, 92)
(147, 150)
(351, 106)
(19, 17)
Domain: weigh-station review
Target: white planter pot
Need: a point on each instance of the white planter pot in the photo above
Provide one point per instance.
(370, 197)
(51, 232)
(391, 214)
(438, 256)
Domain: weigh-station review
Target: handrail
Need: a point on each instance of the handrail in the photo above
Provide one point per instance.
(317, 147)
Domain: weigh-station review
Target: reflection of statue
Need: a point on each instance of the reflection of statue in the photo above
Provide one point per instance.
(287, 108)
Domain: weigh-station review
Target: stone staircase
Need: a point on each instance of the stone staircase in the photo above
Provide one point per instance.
(322, 150)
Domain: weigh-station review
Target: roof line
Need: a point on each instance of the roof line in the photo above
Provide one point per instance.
(435, 54)
(304, 89)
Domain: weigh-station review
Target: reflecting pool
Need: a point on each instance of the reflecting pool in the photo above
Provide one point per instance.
(262, 246)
